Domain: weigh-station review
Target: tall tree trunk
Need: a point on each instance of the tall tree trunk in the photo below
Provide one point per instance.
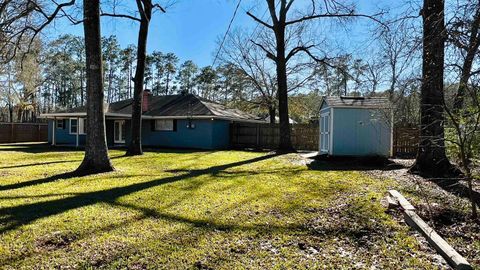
(281, 63)
(135, 147)
(82, 101)
(431, 159)
(96, 158)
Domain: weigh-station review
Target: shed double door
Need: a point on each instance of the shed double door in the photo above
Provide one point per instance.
(325, 132)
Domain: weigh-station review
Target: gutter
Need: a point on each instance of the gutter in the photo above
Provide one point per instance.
(128, 116)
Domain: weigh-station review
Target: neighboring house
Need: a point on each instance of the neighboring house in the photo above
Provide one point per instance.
(356, 126)
(277, 120)
(179, 121)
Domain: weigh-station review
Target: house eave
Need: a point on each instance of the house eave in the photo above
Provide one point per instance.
(128, 116)
(360, 107)
(213, 117)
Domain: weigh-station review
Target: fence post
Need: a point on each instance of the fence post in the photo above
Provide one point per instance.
(258, 135)
(12, 139)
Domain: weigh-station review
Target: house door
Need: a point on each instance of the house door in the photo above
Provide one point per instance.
(325, 132)
(119, 131)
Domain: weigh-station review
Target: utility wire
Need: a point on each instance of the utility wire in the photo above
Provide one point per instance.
(226, 33)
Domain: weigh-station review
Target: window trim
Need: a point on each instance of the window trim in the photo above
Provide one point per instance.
(81, 131)
(174, 125)
(59, 121)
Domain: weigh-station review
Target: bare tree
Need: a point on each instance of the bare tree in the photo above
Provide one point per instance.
(280, 21)
(96, 158)
(255, 67)
(431, 158)
(145, 10)
(465, 35)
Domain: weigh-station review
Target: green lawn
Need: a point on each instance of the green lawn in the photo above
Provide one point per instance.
(195, 210)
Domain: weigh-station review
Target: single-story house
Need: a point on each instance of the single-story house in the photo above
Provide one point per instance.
(356, 126)
(179, 121)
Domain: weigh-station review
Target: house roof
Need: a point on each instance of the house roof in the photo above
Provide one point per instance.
(357, 102)
(169, 106)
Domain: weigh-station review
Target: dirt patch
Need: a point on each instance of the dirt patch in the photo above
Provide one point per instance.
(105, 252)
(446, 212)
(55, 240)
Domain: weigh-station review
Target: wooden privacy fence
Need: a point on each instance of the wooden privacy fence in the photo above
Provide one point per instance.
(23, 132)
(405, 141)
(267, 136)
(306, 136)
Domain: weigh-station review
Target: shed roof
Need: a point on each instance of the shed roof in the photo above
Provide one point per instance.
(357, 102)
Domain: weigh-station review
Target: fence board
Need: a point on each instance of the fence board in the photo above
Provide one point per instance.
(267, 136)
(306, 137)
(405, 141)
(23, 132)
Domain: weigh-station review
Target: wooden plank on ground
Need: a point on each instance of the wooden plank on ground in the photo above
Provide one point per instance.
(404, 203)
(448, 252)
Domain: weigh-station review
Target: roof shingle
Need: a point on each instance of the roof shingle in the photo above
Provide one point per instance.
(175, 106)
(368, 102)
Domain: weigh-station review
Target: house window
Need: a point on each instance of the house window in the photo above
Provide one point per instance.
(164, 125)
(59, 124)
(77, 125)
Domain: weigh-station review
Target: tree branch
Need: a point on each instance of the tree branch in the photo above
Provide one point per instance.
(298, 49)
(335, 15)
(269, 54)
(125, 16)
(259, 21)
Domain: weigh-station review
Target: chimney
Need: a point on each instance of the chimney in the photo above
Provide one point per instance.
(146, 99)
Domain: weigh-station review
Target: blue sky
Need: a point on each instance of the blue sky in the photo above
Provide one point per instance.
(191, 28)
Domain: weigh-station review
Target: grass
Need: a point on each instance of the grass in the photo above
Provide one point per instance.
(194, 210)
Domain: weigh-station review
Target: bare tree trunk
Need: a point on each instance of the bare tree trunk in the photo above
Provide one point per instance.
(473, 45)
(82, 101)
(96, 158)
(431, 158)
(135, 147)
(281, 61)
(271, 114)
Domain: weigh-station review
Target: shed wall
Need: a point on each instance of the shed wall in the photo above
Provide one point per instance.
(361, 132)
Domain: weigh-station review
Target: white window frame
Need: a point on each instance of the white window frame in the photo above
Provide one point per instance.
(59, 121)
(80, 126)
(165, 128)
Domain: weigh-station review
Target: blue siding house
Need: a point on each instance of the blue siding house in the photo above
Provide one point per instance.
(355, 126)
(172, 121)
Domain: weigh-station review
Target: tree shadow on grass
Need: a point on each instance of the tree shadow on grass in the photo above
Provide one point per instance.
(49, 179)
(329, 163)
(38, 164)
(35, 148)
(457, 188)
(15, 216)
